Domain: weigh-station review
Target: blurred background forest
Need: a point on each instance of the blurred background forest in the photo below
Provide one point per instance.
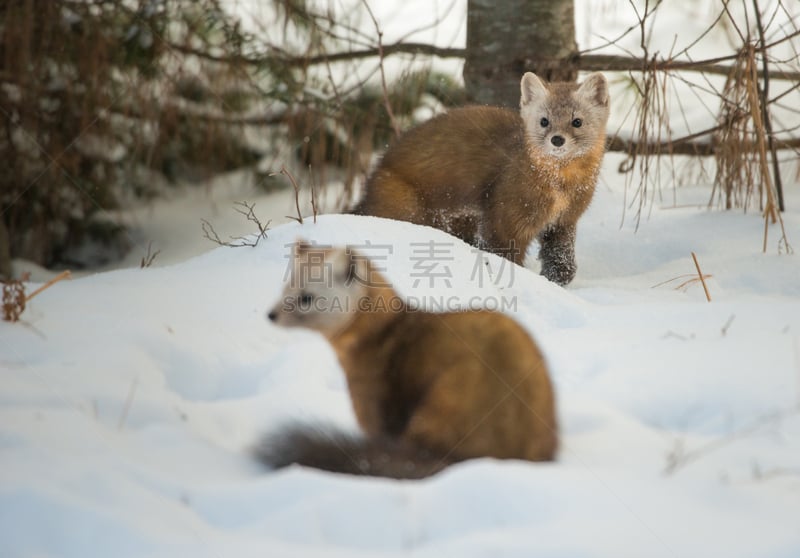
(110, 104)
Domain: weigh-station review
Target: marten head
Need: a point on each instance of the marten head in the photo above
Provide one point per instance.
(564, 120)
(325, 288)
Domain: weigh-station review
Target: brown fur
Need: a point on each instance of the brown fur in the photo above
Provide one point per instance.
(493, 177)
(443, 387)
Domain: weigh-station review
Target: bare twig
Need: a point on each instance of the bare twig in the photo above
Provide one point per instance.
(314, 206)
(583, 61)
(284, 171)
(702, 277)
(386, 101)
(249, 213)
(238, 241)
(211, 234)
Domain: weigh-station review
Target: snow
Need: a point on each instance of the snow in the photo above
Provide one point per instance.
(129, 399)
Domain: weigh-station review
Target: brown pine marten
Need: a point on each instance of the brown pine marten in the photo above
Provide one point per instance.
(428, 389)
(499, 178)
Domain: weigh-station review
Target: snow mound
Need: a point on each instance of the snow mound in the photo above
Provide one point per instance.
(130, 400)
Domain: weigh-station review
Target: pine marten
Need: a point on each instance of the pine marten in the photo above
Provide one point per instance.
(498, 178)
(428, 389)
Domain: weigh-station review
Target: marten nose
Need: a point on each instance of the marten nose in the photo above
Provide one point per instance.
(558, 141)
(273, 315)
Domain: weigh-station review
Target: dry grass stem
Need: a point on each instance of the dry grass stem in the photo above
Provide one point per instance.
(149, 257)
(690, 279)
(701, 276)
(763, 94)
(771, 210)
(743, 142)
(66, 274)
(14, 299)
(651, 139)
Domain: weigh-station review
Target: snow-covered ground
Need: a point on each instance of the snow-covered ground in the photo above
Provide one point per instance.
(130, 398)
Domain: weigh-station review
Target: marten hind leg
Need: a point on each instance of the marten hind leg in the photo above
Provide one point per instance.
(507, 246)
(388, 195)
(458, 417)
(435, 424)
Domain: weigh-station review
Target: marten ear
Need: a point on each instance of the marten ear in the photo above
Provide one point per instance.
(532, 88)
(594, 89)
(300, 246)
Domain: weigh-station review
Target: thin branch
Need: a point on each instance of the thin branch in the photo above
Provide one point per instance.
(238, 241)
(371, 52)
(284, 171)
(381, 55)
(583, 61)
(686, 145)
(314, 203)
(211, 234)
(615, 63)
(249, 213)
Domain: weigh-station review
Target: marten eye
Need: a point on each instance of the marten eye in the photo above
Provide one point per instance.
(577, 123)
(305, 299)
(544, 122)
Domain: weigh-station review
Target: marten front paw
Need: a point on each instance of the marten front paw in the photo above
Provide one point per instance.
(559, 272)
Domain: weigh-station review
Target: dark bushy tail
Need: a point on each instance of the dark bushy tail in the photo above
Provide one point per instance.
(344, 453)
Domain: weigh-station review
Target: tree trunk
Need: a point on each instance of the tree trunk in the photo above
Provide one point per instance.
(507, 38)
